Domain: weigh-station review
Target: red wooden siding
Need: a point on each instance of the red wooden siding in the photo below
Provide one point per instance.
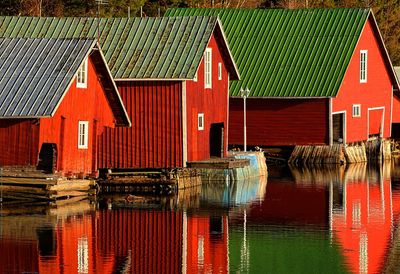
(279, 122)
(79, 104)
(19, 142)
(212, 102)
(377, 92)
(155, 138)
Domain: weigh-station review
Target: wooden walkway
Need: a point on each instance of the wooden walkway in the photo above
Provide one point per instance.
(26, 185)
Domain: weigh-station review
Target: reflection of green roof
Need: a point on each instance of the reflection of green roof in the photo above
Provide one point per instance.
(134, 48)
(289, 53)
(285, 251)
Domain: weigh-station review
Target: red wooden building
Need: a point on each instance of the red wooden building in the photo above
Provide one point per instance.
(176, 93)
(173, 76)
(310, 82)
(56, 96)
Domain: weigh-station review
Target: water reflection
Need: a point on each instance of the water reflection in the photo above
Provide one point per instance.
(304, 220)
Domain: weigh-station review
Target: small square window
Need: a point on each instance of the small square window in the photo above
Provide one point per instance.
(356, 110)
(219, 71)
(81, 76)
(200, 121)
(83, 134)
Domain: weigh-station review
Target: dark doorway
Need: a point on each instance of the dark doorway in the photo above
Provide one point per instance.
(217, 140)
(338, 128)
(48, 158)
(47, 241)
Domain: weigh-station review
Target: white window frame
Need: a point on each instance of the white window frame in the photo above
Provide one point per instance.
(208, 68)
(363, 66)
(200, 121)
(219, 71)
(83, 134)
(195, 77)
(82, 75)
(354, 110)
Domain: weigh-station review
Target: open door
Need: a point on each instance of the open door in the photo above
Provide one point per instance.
(338, 128)
(48, 158)
(217, 140)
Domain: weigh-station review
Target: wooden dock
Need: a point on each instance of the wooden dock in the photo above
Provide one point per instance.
(27, 185)
(148, 181)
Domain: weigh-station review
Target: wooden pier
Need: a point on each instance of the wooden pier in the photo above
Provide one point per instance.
(27, 185)
(148, 181)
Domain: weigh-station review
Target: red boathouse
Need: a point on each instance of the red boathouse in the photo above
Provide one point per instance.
(56, 97)
(173, 77)
(316, 76)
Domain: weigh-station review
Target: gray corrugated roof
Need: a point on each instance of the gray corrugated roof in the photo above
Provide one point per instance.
(35, 74)
(135, 48)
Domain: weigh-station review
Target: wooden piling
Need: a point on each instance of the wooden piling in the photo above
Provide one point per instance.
(306, 155)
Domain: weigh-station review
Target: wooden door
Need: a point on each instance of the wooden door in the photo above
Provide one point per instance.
(375, 122)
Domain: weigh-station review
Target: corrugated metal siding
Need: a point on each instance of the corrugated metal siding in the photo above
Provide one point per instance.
(155, 138)
(289, 53)
(152, 239)
(35, 73)
(19, 141)
(279, 122)
(134, 47)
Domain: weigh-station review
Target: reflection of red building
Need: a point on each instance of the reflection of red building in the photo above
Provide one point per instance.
(290, 203)
(139, 241)
(363, 226)
(18, 257)
(207, 244)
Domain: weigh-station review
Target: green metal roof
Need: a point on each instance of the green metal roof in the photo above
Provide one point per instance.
(289, 53)
(135, 48)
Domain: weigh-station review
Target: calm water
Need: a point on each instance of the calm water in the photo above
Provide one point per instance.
(341, 220)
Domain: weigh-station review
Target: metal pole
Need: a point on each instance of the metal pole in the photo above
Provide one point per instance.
(129, 12)
(244, 93)
(244, 124)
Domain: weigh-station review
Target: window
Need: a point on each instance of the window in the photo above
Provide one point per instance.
(83, 134)
(356, 110)
(200, 121)
(81, 77)
(219, 71)
(363, 66)
(195, 77)
(207, 68)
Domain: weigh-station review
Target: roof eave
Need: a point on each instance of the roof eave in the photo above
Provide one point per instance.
(391, 69)
(234, 74)
(73, 79)
(127, 122)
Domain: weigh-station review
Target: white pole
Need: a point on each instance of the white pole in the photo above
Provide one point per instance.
(244, 124)
(244, 93)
